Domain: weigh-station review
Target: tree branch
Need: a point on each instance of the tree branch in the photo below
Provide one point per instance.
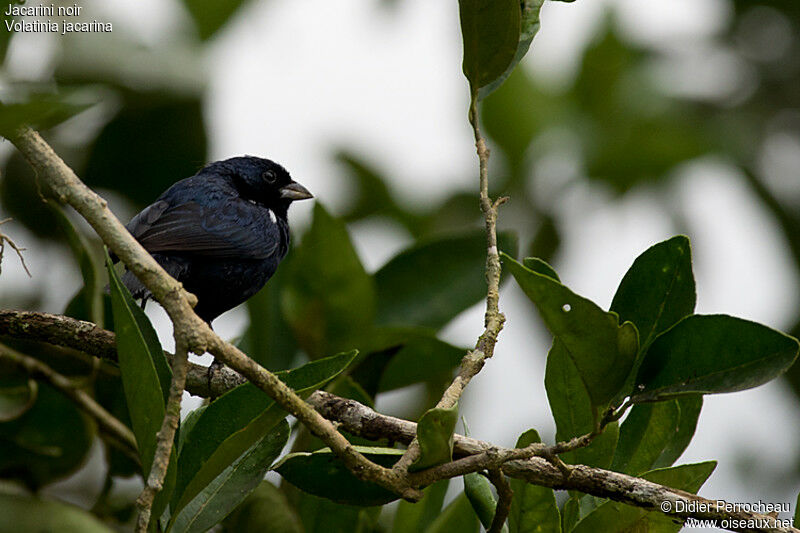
(476, 455)
(178, 304)
(86, 337)
(120, 434)
(165, 436)
(504, 498)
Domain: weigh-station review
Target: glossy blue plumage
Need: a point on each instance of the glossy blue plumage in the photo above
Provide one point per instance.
(222, 232)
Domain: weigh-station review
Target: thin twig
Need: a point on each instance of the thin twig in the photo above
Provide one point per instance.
(5, 239)
(165, 436)
(504, 497)
(473, 361)
(120, 434)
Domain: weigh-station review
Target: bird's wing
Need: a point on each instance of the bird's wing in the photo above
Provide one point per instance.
(235, 229)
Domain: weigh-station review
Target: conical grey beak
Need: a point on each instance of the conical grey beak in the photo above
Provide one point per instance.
(295, 191)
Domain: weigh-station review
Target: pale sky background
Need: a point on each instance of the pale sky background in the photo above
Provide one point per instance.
(291, 80)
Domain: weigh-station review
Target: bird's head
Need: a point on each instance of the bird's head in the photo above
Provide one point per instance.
(264, 181)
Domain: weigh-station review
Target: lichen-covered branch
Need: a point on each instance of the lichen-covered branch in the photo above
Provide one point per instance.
(88, 338)
(474, 455)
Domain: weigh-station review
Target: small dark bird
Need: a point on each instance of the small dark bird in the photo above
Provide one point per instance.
(221, 232)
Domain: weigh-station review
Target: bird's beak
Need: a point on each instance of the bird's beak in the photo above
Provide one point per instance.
(295, 191)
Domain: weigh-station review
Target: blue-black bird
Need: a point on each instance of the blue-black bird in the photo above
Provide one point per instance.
(221, 232)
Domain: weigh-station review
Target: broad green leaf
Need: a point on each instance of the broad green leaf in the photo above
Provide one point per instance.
(658, 290)
(416, 517)
(712, 354)
(529, 26)
(570, 514)
(329, 300)
(17, 396)
(265, 509)
(421, 358)
(458, 516)
(533, 508)
(238, 419)
(435, 435)
(209, 17)
(322, 474)
(540, 267)
(320, 515)
(138, 349)
(490, 30)
(231, 486)
(615, 516)
(690, 407)
(479, 493)
(431, 282)
(47, 442)
(644, 435)
(146, 378)
(40, 111)
(24, 513)
(573, 411)
(602, 350)
(127, 156)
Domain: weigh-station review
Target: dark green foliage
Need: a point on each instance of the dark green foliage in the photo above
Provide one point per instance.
(322, 474)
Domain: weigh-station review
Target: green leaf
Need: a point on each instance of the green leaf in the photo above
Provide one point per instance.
(491, 31)
(320, 515)
(540, 267)
(797, 510)
(329, 300)
(419, 357)
(601, 349)
(265, 509)
(658, 290)
(138, 350)
(458, 516)
(479, 493)
(23, 513)
(690, 407)
(146, 378)
(238, 419)
(209, 17)
(49, 441)
(323, 474)
(231, 486)
(128, 154)
(40, 111)
(533, 508)
(573, 411)
(570, 514)
(614, 516)
(712, 354)
(431, 282)
(415, 517)
(644, 435)
(435, 435)
(529, 26)
(17, 396)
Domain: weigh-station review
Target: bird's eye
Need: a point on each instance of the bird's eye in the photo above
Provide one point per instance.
(269, 176)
